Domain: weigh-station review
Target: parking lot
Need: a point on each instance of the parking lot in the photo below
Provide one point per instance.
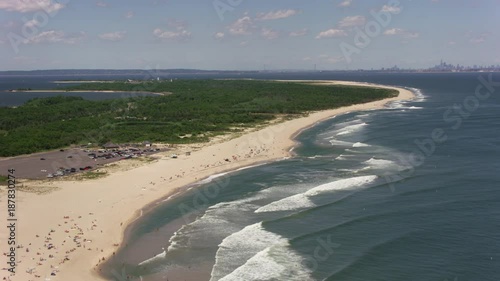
(61, 162)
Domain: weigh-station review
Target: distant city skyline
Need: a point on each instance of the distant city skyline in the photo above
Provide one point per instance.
(247, 35)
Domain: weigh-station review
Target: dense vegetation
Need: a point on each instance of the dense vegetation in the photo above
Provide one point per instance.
(195, 110)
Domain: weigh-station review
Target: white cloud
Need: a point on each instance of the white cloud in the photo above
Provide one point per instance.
(281, 14)
(25, 6)
(242, 26)
(352, 21)
(345, 3)
(478, 39)
(391, 9)
(331, 33)
(172, 35)
(269, 33)
(177, 30)
(129, 14)
(334, 60)
(31, 23)
(113, 36)
(55, 36)
(401, 32)
(300, 32)
(102, 4)
(219, 35)
(179, 25)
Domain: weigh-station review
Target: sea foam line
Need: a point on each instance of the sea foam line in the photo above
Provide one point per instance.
(257, 254)
(303, 200)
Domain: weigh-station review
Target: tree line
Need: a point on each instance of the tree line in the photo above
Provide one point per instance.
(194, 111)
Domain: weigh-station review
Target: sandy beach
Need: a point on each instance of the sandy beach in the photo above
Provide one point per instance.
(68, 232)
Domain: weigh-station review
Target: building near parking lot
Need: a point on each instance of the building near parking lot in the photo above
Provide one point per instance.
(110, 145)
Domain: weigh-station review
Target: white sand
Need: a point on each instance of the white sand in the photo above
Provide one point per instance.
(99, 210)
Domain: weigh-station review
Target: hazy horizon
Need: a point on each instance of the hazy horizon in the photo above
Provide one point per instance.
(246, 35)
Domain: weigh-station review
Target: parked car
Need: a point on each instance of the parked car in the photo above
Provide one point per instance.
(42, 158)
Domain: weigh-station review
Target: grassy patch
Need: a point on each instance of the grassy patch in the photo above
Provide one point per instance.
(37, 189)
(3, 180)
(92, 175)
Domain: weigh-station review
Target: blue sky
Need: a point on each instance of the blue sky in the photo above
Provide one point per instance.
(247, 34)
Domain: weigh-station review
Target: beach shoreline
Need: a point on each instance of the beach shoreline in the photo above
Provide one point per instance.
(112, 204)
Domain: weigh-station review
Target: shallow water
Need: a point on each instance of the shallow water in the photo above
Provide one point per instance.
(369, 196)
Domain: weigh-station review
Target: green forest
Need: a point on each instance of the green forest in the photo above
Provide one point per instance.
(193, 111)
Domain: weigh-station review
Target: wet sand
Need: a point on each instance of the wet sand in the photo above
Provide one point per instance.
(72, 231)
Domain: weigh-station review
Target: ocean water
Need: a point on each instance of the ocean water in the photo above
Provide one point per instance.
(408, 192)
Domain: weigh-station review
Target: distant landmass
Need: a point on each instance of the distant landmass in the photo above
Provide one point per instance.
(148, 72)
(153, 73)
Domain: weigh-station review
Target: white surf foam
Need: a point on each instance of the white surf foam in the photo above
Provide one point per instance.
(340, 143)
(277, 262)
(160, 256)
(363, 115)
(351, 129)
(340, 157)
(303, 201)
(419, 96)
(380, 163)
(299, 201)
(344, 184)
(360, 144)
(212, 177)
(236, 249)
(217, 222)
(317, 156)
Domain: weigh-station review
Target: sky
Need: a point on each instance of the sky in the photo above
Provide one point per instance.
(247, 34)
